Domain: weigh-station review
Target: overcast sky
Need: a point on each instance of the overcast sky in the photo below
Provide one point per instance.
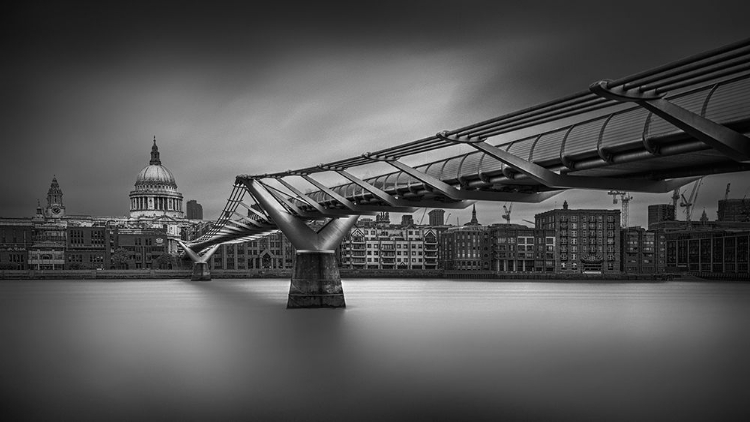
(235, 90)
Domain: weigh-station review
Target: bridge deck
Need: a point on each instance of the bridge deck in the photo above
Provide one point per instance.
(612, 145)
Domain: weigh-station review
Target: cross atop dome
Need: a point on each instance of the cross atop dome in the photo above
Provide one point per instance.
(155, 154)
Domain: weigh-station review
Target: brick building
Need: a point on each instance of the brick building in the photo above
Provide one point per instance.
(588, 239)
(87, 247)
(143, 246)
(643, 251)
(521, 249)
(15, 240)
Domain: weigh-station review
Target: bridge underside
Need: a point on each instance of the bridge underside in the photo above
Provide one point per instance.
(650, 132)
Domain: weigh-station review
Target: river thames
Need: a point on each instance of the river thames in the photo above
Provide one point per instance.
(412, 350)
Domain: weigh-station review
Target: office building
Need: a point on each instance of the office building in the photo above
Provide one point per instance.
(660, 212)
(713, 253)
(734, 210)
(194, 210)
(436, 217)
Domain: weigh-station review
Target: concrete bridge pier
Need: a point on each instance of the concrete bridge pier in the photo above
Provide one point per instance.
(201, 272)
(316, 281)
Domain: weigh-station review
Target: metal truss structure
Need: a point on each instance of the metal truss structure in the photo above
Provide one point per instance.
(649, 132)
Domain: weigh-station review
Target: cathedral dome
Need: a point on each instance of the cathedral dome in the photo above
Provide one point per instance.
(155, 175)
(155, 192)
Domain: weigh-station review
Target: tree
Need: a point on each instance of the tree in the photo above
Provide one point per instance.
(165, 261)
(120, 258)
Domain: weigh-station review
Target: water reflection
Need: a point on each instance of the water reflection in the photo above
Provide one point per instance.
(402, 350)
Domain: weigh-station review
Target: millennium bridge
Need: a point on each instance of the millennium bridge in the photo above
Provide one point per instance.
(653, 131)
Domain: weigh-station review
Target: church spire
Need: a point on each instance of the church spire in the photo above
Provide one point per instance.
(474, 221)
(155, 154)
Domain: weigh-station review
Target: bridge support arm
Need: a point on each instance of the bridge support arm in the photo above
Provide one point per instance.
(380, 194)
(345, 202)
(302, 196)
(294, 228)
(719, 137)
(195, 257)
(456, 194)
(351, 206)
(201, 270)
(553, 180)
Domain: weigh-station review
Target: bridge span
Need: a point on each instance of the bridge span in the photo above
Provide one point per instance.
(653, 131)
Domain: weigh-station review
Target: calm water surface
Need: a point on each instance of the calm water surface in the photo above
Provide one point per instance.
(415, 350)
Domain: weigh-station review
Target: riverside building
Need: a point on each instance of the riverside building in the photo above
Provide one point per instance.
(467, 248)
(517, 248)
(384, 247)
(588, 239)
(271, 252)
(712, 253)
(643, 251)
(15, 241)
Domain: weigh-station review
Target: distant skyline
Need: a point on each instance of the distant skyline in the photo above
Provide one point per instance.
(233, 88)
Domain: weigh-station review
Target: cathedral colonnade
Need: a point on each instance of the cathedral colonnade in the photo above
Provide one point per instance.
(155, 203)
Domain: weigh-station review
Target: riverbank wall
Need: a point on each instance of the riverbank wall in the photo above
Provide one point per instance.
(150, 274)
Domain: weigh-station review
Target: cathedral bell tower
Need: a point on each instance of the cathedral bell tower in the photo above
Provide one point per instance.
(55, 207)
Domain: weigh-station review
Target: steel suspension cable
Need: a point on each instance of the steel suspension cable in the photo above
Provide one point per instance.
(594, 103)
(684, 70)
(678, 63)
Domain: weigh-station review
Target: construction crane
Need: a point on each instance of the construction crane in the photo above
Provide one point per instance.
(529, 221)
(625, 199)
(422, 219)
(726, 193)
(675, 197)
(675, 200)
(688, 203)
(726, 198)
(507, 211)
(446, 219)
